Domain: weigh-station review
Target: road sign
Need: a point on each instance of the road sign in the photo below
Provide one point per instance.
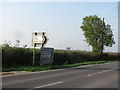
(39, 39)
(46, 56)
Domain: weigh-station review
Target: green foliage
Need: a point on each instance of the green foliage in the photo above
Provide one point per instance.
(108, 36)
(92, 28)
(6, 44)
(48, 67)
(12, 57)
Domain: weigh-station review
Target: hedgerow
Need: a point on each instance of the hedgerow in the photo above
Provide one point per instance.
(23, 56)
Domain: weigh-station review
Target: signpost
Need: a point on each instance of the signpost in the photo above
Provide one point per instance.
(39, 39)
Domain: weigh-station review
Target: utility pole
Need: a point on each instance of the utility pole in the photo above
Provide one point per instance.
(102, 40)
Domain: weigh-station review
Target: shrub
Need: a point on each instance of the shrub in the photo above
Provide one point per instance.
(23, 56)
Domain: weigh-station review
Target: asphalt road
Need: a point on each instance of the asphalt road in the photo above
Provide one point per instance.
(88, 76)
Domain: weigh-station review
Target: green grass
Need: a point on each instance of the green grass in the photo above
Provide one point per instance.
(48, 67)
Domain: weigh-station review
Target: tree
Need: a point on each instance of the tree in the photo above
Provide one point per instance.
(17, 43)
(92, 27)
(6, 44)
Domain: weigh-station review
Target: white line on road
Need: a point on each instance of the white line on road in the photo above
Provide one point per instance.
(99, 72)
(96, 64)
(51, 84)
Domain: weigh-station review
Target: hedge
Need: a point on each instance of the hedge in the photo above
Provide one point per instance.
(23, 56)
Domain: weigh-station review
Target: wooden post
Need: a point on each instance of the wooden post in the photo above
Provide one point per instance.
(34, 55)
(102, 40)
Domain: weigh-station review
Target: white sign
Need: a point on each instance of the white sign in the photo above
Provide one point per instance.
(38, 39)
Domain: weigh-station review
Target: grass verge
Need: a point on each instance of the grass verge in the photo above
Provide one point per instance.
(48, 67)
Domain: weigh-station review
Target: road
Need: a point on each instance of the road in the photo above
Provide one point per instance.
(88, 76)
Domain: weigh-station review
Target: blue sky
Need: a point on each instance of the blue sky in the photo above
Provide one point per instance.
(60, 20)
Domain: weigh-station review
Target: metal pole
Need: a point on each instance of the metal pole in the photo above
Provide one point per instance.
(33, 55)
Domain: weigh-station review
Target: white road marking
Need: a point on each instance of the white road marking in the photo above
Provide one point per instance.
(95, 64)
(99, 72)
(51, 84)
(114, 68)
(89, 75)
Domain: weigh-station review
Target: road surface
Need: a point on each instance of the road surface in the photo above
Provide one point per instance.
(88, 76)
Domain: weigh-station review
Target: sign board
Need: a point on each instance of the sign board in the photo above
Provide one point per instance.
(39, 38)
(46, 56)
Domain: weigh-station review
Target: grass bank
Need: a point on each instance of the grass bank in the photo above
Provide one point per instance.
(48, 67)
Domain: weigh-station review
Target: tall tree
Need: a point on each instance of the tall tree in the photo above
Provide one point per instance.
(92, 26)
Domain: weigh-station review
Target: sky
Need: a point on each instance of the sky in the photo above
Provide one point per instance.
(60, 20)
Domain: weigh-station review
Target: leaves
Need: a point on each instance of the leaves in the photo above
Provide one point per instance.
(92, 28)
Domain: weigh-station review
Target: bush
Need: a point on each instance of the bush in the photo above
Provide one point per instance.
(23, 56)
